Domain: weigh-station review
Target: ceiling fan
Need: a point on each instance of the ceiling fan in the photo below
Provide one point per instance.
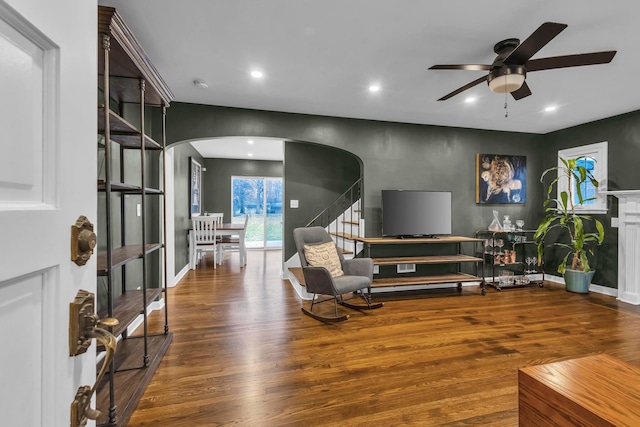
(508, 71)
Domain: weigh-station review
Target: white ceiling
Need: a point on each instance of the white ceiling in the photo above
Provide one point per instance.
(320, 56)
(248, 148)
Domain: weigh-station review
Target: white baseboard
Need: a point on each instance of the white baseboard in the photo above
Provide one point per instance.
(285, 274)
(179, 276)
(598, 289)
(605, 290)
(155, 305)
(300, 290)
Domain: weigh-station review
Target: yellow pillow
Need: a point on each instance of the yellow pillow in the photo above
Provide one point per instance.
(324, 255)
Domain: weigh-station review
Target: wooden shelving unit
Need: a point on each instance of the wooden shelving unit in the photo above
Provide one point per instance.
(131, 256)
(449, 253)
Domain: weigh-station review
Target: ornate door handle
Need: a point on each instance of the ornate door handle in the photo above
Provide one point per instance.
(83, 326)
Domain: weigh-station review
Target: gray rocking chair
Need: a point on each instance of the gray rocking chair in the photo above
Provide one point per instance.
(358, 275)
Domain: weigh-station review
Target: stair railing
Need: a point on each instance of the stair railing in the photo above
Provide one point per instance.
(342, 217)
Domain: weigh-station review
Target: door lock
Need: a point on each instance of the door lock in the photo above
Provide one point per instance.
(83, 240)
(83, 326)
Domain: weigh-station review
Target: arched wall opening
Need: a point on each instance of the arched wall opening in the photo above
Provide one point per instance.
(313, 174)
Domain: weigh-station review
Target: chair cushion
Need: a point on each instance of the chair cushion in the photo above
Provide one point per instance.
(324, 255)
(347, 284)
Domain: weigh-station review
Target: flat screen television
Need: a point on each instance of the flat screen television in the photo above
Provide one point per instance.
(412, 213)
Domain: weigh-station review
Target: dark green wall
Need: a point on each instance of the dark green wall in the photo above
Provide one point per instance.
(397, 155)
(623, 136)
(394, 155)
(182, 221)
(217, 180)
(315, 175)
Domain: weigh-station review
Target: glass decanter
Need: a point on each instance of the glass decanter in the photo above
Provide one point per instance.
(506, 224)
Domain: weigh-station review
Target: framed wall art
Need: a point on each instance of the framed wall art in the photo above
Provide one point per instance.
(501, 178)
(195, 188)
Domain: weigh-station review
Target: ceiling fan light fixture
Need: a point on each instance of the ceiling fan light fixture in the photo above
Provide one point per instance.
(506, 79)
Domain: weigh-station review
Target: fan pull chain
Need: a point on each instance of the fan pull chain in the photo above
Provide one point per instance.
(506, 111)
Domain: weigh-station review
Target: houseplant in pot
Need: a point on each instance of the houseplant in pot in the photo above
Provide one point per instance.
(575, 234)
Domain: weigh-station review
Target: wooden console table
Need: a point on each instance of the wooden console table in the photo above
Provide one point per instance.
(454, 257)
(596, 390)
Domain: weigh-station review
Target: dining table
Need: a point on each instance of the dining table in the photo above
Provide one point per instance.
(227, 229)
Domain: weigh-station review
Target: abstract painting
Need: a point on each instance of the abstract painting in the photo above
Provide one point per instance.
(501, 178)
(195, 187)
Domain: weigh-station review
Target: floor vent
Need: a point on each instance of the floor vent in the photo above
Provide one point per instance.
(406, 268)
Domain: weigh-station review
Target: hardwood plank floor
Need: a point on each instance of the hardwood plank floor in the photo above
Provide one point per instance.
(244, 354)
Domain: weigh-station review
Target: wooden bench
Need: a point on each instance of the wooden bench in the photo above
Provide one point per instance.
(596, 390)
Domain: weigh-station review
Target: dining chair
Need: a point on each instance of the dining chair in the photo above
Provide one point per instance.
(231, 243)
(204, 238)
(218, 217)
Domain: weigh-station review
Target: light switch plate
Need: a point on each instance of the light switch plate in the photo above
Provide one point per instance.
(293, 204)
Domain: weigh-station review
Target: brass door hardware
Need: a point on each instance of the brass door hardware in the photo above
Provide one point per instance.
(83, 240)
(83, 326)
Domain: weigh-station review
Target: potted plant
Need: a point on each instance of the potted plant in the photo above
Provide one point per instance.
(578, 229)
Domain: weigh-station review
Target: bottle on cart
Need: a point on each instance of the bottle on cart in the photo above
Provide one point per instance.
(495, 224)
(506, 224)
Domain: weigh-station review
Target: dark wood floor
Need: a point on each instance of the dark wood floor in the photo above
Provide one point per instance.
(244, 354)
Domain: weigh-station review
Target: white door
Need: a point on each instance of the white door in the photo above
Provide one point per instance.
(48, 122)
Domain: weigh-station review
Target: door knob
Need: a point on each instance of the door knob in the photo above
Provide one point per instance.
(83, 327)
(83, 240)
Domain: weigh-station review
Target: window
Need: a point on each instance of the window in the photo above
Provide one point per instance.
(261, 199)
(595, 160)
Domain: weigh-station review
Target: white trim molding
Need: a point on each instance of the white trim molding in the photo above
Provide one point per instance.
(599, 152)
(628, 245)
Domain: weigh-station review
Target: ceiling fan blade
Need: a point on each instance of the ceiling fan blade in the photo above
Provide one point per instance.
(472, 67)
(536, 41)
(463, 88)
(570, 61)
(523, 92)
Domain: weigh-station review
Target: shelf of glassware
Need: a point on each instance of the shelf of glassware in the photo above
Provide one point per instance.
(511, 259)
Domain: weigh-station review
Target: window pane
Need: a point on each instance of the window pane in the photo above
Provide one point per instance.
(261, 199)
(248, 195)
(587, 188)
(274, 212)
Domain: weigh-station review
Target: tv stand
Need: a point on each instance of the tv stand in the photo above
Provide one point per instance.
(436, 253)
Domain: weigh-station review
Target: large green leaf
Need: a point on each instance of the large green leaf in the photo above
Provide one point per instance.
(565, 198)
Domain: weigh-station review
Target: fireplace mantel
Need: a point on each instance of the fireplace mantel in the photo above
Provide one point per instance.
(628, 245)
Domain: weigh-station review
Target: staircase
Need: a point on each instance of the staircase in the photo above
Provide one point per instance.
(343, 220)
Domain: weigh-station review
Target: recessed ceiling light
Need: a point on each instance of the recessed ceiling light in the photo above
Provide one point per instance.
(551, 108)
(374, 88)
(250, 154)
(256, 74)
(250, 141)
(470, 100)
